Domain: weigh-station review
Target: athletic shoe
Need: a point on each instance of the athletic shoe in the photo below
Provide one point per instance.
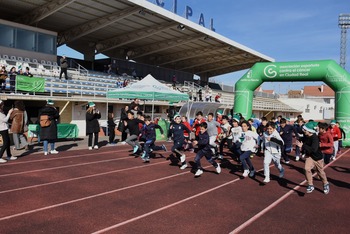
(198, 172)
(326, 188)
(143, 156)
(184, 166)
(123, 142)
(112, 144)
(281, 173)
(310, 188)
(303, 156)
(2, 160)
(46, 153)
(169, 139)
(245, 173)
(251, 156)
(266, 180)
(287, 162)
(136, 148)
(218, 169)
(164, 148)
(297, 158)
(182, 158)
(53, 152)
(252, 173)
(11, 158)
(90, 148)
(96, 147)
(221, 156)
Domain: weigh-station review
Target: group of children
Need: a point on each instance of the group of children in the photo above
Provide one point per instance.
(243, 140)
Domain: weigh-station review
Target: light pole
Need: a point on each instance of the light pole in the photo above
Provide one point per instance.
(344, 24)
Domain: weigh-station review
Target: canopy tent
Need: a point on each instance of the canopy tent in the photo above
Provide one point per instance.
(148, 89)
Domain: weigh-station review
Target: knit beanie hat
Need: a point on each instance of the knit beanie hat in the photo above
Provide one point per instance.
(50, 102)
(310, 126)
(333, 121)
(219, 112)
(236, 118)
(91, 104)
(176, 115)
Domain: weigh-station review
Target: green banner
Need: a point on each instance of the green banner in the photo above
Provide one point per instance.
(30, 84)
(327, 71)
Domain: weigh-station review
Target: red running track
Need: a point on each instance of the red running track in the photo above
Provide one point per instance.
(110, 191)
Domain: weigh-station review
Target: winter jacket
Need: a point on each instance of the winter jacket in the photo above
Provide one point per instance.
(92, 124)
(50, 132)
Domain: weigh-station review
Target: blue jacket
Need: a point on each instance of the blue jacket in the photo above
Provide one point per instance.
(178, 131)
(150, 131)
(203, 142)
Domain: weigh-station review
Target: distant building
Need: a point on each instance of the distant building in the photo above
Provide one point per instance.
(318, 101)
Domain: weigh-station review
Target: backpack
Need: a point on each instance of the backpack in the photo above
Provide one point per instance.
(45, 121)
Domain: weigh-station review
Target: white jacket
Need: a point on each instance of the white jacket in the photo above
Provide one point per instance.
(272, 146)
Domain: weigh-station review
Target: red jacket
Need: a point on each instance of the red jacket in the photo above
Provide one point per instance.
(195, 125)
(187, 124)
(326, 142)
(335, 132)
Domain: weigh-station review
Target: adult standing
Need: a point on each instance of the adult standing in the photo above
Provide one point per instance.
(4, 132)
(19, 119)
(64, 67)
(121, 126)
(48, 134)
(92, 125)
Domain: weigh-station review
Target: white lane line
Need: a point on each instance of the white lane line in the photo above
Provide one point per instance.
(79, 178)
(90, 197)
(275, 203)
(166, 207)
(48, 158)
(61, 167)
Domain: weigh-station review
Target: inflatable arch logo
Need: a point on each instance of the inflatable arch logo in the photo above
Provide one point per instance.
(327, 71)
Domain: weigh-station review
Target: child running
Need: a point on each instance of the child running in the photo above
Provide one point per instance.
(150, 138)
(314, 157)
(326, 142)
(250, 143)
(204, 150)
(133, 125)
(177, 129)
(212, 131)
(272, 144)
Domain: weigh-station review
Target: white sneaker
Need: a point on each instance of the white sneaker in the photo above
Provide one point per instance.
(303, 156)
(54, 152)
(198, 172)
(90, 148)
(96, 147)
(297, 158)
(218, 169)
(11, 158)
(183, 167)
(266, 180)
(182, 158)
(221, 156)
(245, 173)
(2, 160)
(46, 153)
(123, 142)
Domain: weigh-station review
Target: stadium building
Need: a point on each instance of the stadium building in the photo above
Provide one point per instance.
(139, 38)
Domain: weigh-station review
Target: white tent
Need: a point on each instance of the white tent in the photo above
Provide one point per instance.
(148, 89)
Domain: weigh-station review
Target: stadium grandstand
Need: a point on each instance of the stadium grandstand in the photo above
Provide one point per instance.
(138, 37)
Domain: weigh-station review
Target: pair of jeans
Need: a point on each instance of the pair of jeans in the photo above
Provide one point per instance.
(46, 145)
(245, 159)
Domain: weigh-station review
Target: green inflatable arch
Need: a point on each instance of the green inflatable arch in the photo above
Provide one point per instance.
(327, 71)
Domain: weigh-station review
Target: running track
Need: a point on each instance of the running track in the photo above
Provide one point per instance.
(110, 191)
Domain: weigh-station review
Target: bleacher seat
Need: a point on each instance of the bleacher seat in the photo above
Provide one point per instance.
(27, 60)
(48, 62)
(13, 58)
(5, 56)
(55, 63)
(43, 62)
(19, 59)
(35, 61)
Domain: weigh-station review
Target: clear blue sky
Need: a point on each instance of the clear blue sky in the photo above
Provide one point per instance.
(284, 30)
